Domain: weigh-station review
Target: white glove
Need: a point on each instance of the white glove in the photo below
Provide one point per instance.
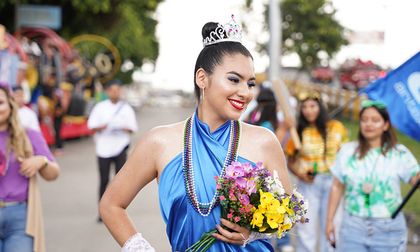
(137, 243)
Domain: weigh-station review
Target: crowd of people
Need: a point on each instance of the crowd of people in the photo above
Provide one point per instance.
(352, 188)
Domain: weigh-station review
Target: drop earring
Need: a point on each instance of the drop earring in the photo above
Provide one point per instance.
(202, 95)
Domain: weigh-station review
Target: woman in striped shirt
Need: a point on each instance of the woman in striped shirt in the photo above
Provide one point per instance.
(321, 139)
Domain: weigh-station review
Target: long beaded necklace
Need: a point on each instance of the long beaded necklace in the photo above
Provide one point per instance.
(204, 209)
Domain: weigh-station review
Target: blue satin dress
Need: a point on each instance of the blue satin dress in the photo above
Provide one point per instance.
(184, 224)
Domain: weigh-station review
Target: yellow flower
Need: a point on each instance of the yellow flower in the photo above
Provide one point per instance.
(279, 233)
(265, 197)
(287, 225)
(274, 220)
(263, 208)
(257, 219)
(262, 229)
(285, 204)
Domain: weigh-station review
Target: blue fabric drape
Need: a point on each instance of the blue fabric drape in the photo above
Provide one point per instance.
(184, 225)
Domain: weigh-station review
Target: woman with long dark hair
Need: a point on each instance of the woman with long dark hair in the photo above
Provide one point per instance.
(223, 78)
(367, 173)
(321, 139)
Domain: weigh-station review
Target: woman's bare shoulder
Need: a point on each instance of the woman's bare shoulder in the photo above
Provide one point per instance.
(256, 141)
(163, 134)
(257, 133)
(162, 143)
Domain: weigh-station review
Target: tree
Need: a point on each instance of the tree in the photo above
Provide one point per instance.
(129, 24)
(310, 30)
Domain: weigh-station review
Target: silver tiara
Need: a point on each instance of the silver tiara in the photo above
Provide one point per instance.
(232, 29)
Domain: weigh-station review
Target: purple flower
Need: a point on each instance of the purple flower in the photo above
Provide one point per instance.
(244, 199)
(251, 187)
(260, 166)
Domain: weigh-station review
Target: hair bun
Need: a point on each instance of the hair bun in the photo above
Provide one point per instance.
(208, 28)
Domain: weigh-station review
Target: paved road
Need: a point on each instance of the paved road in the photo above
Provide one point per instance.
(70, 203)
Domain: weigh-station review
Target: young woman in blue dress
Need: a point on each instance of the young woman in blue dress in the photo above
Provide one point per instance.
(185, 157)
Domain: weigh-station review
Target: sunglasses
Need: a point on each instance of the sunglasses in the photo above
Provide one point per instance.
(376, 104)
(303, 96)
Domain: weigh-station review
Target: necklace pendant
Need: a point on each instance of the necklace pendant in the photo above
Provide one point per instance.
(367, 187)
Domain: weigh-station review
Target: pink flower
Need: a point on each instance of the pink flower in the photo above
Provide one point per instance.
(248, 168)
(241, 183)
(229, 215)
(222, 197)
(248, 208)
(237, 218)
(251, 187)
(235, 170)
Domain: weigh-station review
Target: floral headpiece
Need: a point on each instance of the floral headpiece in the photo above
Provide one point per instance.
(309, 94)
(231, 29)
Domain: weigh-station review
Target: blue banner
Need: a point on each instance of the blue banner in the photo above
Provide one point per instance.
(400, 91)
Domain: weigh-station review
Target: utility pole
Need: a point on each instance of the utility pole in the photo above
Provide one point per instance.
(275, 40)
(279, 86)
(17, 3)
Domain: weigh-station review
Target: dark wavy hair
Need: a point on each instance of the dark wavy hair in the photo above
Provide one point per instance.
(388, 139)
(320, 122)
(212, 55)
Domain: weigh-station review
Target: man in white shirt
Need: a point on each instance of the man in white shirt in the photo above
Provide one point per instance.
(27, 116)
(113, 121)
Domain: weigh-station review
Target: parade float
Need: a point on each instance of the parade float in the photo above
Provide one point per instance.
(60, 78)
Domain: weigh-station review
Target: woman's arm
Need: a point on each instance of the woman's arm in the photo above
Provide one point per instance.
(136, 173)
(293, 165)
(336, 192)
(47, 169)
(415, 178)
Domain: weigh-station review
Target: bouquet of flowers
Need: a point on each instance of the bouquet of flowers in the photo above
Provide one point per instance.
(252, 197)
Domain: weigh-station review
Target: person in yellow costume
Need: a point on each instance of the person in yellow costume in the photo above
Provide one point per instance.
(321, 139)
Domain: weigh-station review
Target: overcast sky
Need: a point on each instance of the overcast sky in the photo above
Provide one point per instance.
(180, 23)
